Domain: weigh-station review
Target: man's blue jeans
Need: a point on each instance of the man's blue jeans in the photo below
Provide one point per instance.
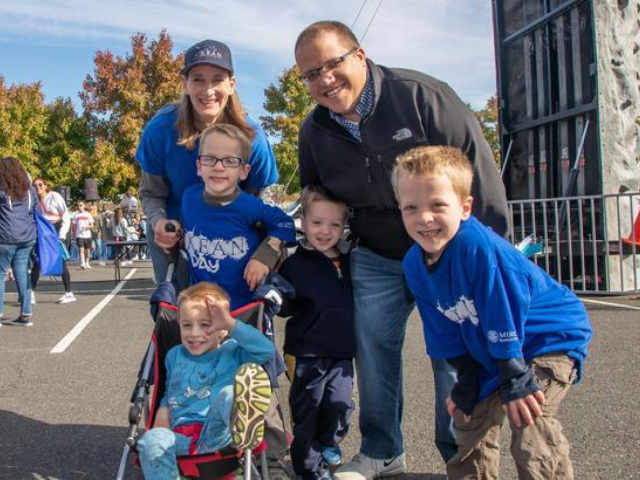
(17, 257)
(444, 377)
(383, 304)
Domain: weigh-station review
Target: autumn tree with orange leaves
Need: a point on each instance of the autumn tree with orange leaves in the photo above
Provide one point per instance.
(119, 98)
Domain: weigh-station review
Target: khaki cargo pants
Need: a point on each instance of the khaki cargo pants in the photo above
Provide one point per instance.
(540, 451)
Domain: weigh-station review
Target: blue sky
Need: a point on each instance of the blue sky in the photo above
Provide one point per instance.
(53, 41)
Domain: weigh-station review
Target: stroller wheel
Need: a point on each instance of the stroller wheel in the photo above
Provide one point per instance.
(251, 397)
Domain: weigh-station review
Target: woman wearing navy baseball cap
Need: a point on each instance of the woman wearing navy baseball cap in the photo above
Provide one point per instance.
(168, 149)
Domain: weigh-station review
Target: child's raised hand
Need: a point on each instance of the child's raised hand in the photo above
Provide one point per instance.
(219, 315)
(526, 409)
(254, 273)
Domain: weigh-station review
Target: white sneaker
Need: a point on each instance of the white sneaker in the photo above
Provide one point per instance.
(86, 265)
(83, 266)
(101, 263)
(143, 257)
(33, 297)
(67, 298)
(362, 467)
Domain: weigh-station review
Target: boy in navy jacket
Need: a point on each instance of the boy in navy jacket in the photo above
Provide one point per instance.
(319, 341)
(516, 337)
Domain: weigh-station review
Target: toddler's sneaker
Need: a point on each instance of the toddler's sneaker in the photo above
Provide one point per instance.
(332, 456)
(67, 298)
(251, 397)
(22, 321)
(362, 467)
(33, 297)
(324, 474)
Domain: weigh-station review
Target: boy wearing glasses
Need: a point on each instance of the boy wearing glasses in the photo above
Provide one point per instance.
(219, 219)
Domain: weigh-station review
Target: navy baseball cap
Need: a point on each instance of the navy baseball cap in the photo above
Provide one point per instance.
(208, 52)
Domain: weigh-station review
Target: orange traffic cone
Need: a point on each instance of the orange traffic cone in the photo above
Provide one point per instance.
(634, 237)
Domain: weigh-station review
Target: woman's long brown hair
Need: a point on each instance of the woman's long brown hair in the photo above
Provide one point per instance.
(14, 179)
(233, 114)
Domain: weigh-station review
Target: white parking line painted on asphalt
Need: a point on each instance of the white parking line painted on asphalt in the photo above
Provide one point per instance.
(77, 330)
(610, 304)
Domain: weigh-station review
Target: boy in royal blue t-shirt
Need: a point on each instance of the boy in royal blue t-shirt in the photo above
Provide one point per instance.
(220, 221)
(516, 337)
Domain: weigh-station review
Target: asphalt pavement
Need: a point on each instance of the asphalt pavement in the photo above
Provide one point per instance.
(64, 415)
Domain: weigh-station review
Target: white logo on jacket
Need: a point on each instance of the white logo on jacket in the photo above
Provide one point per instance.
(205, 253)
(402, 134)
(464, 309)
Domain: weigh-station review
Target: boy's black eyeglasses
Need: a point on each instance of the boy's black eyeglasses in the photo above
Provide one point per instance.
(313, 75)
(211, 161)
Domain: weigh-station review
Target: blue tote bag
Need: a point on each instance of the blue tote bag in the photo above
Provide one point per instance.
(48, 248)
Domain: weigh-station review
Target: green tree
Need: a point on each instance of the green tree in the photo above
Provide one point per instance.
(23, 121)
(120, 97)
(64, 154)
(488, 118)
(51, 140)
(288, 102)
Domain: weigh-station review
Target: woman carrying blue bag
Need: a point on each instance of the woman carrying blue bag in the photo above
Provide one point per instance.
(18, 234)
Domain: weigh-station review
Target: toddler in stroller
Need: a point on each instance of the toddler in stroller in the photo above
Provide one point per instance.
(213, 391)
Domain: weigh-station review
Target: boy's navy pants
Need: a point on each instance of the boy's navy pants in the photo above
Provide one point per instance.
(321, 406)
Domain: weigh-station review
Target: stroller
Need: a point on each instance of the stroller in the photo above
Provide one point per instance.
(166, 334)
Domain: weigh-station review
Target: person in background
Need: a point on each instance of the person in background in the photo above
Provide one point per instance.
(83, 223)
(129, 204)
(367, 114)
(168, 148)
(54, 208)
(120, 233)
(18, 234)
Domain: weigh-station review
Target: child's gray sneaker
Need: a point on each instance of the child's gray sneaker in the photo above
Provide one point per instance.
(362, 467)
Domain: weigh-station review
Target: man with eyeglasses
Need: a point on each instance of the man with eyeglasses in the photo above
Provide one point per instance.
(366, 116)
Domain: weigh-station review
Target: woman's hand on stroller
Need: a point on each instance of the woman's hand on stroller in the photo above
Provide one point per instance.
(254, 273)
(219, 315)
(167, 233)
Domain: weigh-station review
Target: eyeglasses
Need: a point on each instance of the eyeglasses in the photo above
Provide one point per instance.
(312, 76)
(229, 162)
(38, 185)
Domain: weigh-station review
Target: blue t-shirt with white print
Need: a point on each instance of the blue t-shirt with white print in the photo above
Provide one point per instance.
(193, 382)
(220, 240)
(159, 154)
(486, 299)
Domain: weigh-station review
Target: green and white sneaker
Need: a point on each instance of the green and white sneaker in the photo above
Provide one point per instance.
(251, 397)
(362, 467)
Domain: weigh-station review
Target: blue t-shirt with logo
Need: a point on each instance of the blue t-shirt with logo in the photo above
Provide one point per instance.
(486, 299)
(193, 382)
(159, 154)
(220, 240)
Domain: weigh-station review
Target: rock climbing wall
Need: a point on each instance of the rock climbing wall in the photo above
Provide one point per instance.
(617, 24)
